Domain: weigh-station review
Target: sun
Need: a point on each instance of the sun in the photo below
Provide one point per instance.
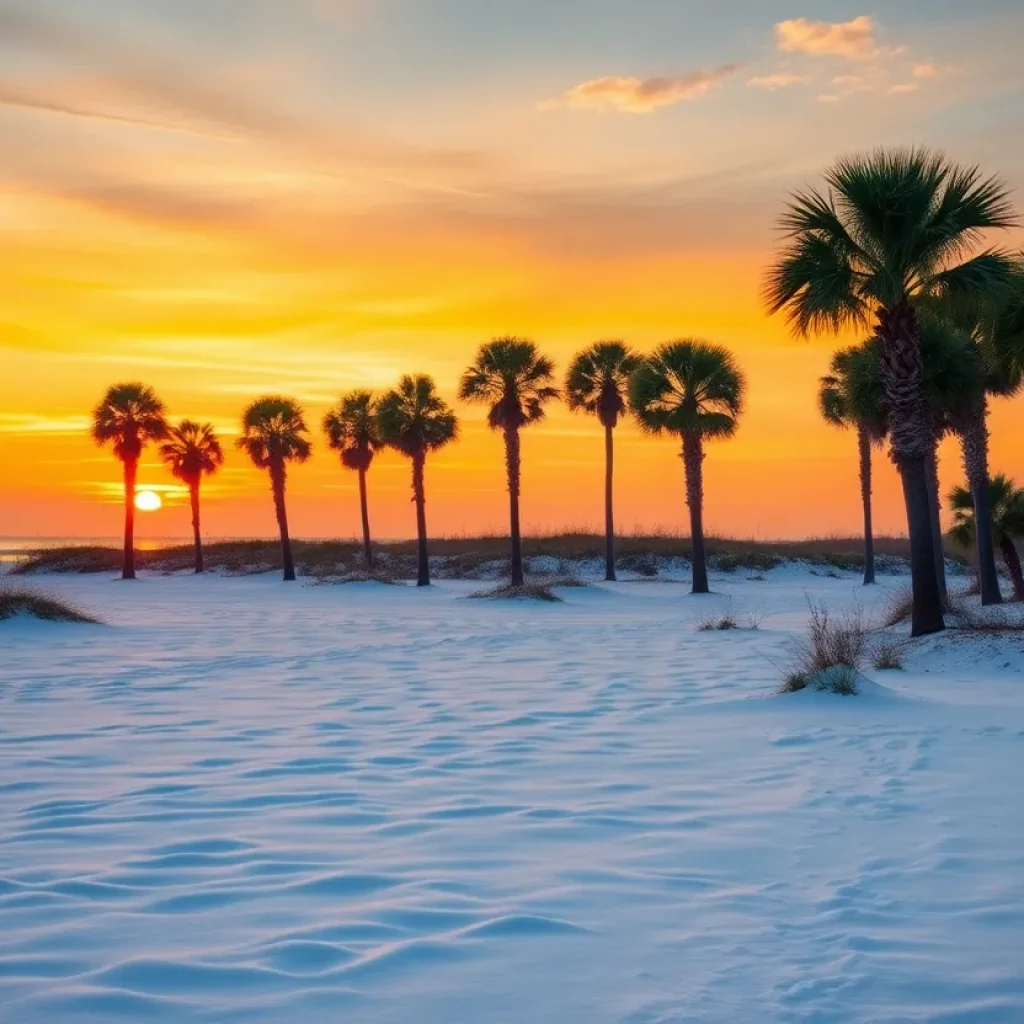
(148, 501)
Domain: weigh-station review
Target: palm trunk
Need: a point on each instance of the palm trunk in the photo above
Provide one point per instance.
(693, 463)
(365, 510)
(1012, 560)
(419, 496)
(512, 465)
(934, 511)
(277, 484)
(131, 469)
(193, 493)
(974, 444)
(911, 434)
(609, 511)
(864, 443)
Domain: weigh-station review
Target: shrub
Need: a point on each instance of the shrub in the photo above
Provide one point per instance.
(888, 654)
(15, 600)
(527, 592)
(898, 607)
(976, 619)
(832, 654)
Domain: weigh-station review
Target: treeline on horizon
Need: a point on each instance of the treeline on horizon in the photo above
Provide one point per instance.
(890, 245)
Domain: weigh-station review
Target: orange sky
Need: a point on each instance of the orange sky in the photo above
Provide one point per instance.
(223, 221)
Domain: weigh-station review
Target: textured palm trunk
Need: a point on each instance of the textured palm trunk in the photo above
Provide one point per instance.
(911, 437)
(609, 502)
(512, 465)
(1012, 560)
(864, 444)
(197, 539)
(131, 469)
(935, 514)
(277, 485)
(364, 509)
(974, 445)
(693, 463)
(419, 496)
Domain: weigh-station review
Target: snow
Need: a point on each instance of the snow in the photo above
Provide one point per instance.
(243, 800)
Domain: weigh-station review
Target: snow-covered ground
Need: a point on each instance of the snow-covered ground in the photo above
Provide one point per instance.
(242, 800)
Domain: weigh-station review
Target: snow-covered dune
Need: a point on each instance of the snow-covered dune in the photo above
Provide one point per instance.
(247, 801)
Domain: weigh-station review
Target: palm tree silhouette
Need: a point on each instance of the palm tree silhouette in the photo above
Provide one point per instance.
(1006, 501)
(414, 420)
(514, 379)
(274, 433)
(597, 382)
(841, 402)
(694, 389)
(995, 326)
(351, 429)
(192, 451)
(129, 416)
(890, 227)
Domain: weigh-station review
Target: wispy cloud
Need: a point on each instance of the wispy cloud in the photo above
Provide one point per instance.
(19, 423)
(854, 40)
(642, 95)
(777, 80)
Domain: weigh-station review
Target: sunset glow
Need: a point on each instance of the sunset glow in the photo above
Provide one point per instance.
(230, 199)
(148, 501)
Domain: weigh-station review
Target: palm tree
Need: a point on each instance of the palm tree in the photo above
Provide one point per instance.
(351, 429)
(892, 226)
(414, 420)
(274, 433)
(995, 326)
(841, 401)
(1007, 504)
(514, 379)
(598, 382)
(192, 451)
(129, 416)
(694, 389)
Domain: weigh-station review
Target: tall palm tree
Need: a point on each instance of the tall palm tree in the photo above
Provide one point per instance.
(274, 433)
(414, 420)
(694, 389)
(192, 451)
(351, 429)
(995, 327)
(840, 399)
(1006, 501)
(514, 379)
(598, 383)
(129, 416)
(889, 227)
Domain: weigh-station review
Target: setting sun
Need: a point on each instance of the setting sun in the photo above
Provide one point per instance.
(148, 501)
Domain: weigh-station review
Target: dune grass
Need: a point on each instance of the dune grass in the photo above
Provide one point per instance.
(20, 600)
(527, 592)
(832, 654)
(469, 557)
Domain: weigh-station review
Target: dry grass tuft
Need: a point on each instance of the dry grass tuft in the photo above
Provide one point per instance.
(18, 600)
(527, 592)
(832, 654)
(888, 654)
(898, 607)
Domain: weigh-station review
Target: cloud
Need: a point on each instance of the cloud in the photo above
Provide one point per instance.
(902, 88)
(854, 40)
(26, 423)
(926, 69)
(778, 80)
(642, 95)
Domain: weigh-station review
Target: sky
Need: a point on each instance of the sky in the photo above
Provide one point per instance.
(228, 198)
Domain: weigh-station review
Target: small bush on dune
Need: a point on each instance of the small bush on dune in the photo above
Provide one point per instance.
(728, 620)
(888, 654)
(527, 592)
(898, 607)
(16, 600)
(831, 656)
